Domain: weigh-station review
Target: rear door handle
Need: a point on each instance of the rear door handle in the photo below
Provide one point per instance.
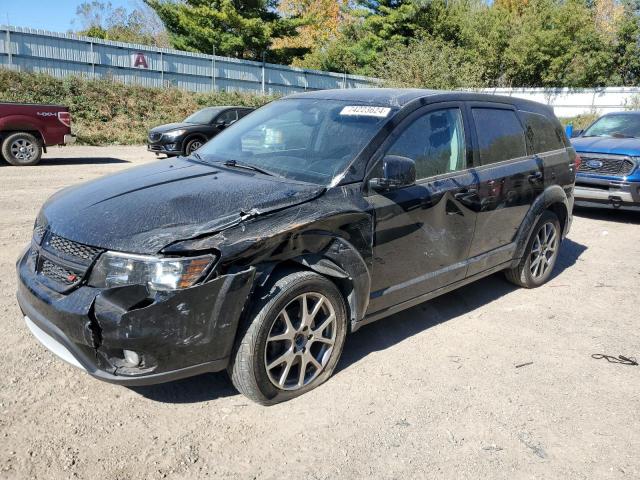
(535, 177)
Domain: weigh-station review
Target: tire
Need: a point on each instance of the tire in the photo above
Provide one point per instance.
(192, 145)
(269, 350)
(531, 272)
(21, 149)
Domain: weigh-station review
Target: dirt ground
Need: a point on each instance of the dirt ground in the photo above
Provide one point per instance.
(434, 392)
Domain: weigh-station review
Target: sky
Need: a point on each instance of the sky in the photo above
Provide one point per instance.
(53, 15)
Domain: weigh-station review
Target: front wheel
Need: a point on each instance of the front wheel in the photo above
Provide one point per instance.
(21, 149)
(292, 341)
(192, 146)
(541, 253)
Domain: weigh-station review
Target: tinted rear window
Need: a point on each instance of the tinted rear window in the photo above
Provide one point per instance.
(500, 135)
(543, 135)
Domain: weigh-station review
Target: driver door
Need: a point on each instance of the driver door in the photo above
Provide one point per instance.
(423, 232)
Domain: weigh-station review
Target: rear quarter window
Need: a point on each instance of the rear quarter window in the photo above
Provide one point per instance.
(542, 134)
(500, 135)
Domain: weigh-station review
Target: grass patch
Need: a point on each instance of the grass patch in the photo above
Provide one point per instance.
(108, 112)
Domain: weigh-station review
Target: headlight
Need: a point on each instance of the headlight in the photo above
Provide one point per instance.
(115, 269)
(174, 133)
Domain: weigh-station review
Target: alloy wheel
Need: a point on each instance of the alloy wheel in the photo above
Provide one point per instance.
(23, 149)
(544, 250)
(193, 146)
(300, 341)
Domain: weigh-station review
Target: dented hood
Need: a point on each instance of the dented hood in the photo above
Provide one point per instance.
(143, 209)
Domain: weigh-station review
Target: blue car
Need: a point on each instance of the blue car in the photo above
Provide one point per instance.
(609, 173)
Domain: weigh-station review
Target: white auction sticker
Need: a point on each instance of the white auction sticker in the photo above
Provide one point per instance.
(366, 110)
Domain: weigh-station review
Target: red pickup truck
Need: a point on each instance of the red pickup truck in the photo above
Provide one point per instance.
(27, 129)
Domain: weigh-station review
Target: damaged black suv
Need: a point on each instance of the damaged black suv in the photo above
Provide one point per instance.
(315, 215)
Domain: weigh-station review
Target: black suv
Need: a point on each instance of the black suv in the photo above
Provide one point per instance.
(315, 215)
(186, 137)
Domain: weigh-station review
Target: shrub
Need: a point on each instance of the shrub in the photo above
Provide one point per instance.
(107, 112)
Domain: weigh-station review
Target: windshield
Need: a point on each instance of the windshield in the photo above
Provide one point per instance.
(621, 126)
(308, 140)
(204, 116)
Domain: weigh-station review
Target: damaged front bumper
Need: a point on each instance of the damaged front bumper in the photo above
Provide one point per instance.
(175, 334)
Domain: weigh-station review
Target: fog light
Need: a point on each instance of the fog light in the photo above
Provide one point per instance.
(131, 358)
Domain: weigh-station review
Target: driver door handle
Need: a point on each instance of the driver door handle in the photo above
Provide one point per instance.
(466, 194)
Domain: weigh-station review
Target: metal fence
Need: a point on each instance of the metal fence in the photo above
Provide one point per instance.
(569, 102)
(62, 54)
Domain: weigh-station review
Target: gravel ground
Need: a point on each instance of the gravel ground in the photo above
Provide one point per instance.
(434, 392)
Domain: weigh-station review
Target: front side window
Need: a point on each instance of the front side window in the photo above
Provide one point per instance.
(309, 140)
(435, 142)
(500, 135)
(227, 117)
(619, 125)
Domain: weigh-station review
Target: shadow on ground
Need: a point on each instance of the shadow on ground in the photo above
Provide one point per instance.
(371, 338)
(190, 390)
(50, 162)
(608, 214)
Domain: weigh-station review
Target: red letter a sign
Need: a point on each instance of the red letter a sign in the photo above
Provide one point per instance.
(139, 60)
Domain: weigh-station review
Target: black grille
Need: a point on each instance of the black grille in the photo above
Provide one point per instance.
(72, 249)
(38, 231)
(155, 136)
(606, 166)
(58, 273)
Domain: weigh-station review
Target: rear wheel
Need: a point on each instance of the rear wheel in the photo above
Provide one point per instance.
(540, 255)
(292, 341)
(21, 149)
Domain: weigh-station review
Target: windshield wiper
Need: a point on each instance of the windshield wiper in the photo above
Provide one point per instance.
(621, 135)
(236, 164)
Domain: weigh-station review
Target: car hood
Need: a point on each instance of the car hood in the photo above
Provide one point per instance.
(144, 209)
(173, 126)
(607, 145)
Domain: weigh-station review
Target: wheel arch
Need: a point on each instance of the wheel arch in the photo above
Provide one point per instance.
(192, 136)
(341, 263)
(36, 133)
(553, 198)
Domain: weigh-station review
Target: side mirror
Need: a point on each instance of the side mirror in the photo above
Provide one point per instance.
(576, 133)
(397, 172)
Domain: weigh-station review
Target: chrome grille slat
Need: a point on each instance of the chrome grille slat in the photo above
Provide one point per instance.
(611, 165)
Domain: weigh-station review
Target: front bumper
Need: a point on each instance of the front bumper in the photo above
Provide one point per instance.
(608, 192)
(176, 334)
(174, 148)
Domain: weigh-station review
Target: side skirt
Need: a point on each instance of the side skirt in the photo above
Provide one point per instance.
(380, 314)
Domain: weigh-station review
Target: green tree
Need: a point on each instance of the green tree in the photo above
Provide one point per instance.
(236, 28)
(428, 63)
(557, 44)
